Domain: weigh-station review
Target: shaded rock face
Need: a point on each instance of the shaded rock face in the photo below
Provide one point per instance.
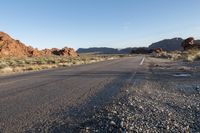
(55, 51)
(14, 48)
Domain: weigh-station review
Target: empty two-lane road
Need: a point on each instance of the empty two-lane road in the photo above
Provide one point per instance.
(29, 99)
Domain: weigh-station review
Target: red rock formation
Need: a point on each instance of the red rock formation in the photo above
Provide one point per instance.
(188, 43)
(14, 48)
(67, 52)
(158, 50)
(36, 53)
(64, 52)
(47, 52)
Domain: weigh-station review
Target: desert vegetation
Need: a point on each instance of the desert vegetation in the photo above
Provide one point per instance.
(16, 56)
(190, 52)
(10, 65)
(189, 55)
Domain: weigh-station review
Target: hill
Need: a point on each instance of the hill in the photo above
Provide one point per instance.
(98, 50)
(104, 50)
(168, 44)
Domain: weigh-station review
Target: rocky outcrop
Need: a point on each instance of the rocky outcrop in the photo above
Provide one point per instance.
(10, 47)
(190, 43)
(47, 52)
(67, 52)
(64, 52)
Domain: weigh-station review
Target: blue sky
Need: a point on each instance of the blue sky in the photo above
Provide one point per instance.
(97, 23)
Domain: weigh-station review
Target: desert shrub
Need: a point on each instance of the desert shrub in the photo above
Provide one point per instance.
(50, 60)
(3, 65)
(122, 55)
(41, 61)
(74, 62)
(21, 62)
(191, 55)
(92, 58)
(84, 59)
(28, 61)
(13, 63)
(62, 60)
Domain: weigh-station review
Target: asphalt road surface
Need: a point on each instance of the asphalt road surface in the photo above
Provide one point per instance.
(60, 100)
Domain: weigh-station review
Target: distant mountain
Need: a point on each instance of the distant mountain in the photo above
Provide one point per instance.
(104, 50)
(126, 50)
(168, 44)
(141, 50)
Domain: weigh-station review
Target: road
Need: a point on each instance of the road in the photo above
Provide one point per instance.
(54, 100)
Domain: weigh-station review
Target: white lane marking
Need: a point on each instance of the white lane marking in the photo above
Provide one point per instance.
(182, 75)
(142, 61)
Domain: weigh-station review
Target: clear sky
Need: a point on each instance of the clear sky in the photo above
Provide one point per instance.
(91, 23)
